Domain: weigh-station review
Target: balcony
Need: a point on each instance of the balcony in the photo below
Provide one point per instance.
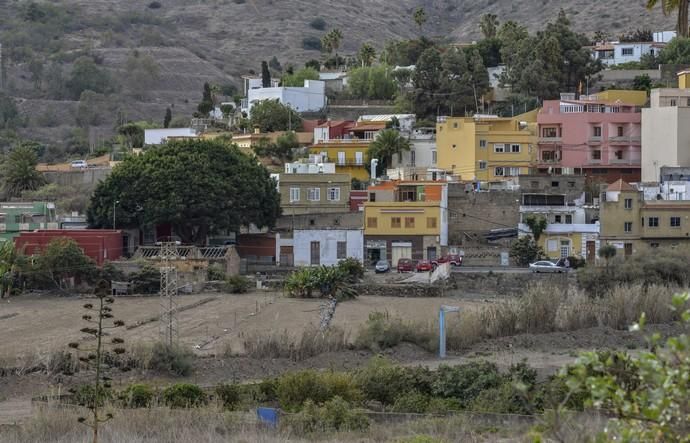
(625, 162)
(344, 141)
(550, 140)
(349, 163)
(625, 140)
(594, 140)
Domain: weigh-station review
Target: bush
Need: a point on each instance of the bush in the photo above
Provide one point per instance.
(294, 389)
(335, 415)
(155, 5)
(525, 251)
(329, 281)
(215, 272)
(412, 402)
(137, 396)
(237, 284)
(466, 382)
(311, 43)
(146, 281)
(84, 395)
(184, 395)
(504, 399)
(382, 381)
(318, 24)
(171, 359)
(353, 268)
(382, 332)
(228, 395)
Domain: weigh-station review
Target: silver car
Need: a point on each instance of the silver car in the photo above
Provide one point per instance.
(546, 266)
(382, 266)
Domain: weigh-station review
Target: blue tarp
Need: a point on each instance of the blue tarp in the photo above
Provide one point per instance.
(268, 416)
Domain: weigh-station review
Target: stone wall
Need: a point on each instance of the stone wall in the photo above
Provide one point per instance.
(401, 290)
(78, 177)
(499, 284)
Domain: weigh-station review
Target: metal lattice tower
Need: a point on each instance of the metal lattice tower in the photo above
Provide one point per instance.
(168, 294)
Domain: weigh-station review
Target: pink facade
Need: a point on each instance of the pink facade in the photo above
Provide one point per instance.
(597, 139)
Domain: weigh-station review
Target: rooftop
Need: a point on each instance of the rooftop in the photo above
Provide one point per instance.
(619, 185)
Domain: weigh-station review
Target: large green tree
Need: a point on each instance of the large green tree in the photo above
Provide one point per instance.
(197, 186)
(271, 115)
(298, 77)
(19, 172)
(87, 76)
(388, 142)
(372, 82)
(668, 6)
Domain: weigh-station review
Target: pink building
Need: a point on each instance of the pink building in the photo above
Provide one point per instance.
(594, 138)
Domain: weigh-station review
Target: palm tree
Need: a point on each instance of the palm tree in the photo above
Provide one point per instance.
(388, 143)
(668, 6)
(20, 172)
(367, 54)
(336, 38)
(488, 24)
(419, 17)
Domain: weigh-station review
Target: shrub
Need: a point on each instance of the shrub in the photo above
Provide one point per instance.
(215, 272)
(237, 284)
(466, 382)
(311, 43)
(155, 5)
(412, 402)
(184, 395)
(228, 395)
(335, 415)
(318, 24)
(504, 399)
(329, 281)
(137, 396)
(353, 268)
(294, 389)
(171, 359)
(312, 342)
(382, 332)
(146, 281)
(525, 250)
(382, 381)
(84, 395)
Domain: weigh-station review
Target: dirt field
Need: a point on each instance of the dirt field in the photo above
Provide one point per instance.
(207, 322)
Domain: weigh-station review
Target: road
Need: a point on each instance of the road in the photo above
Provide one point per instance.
(494, 269)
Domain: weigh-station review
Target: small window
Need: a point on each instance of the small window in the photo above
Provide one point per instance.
(334, 194)
(499, 172)
(482, 143)
(596, 154)
(482, 164)
(675, 222)
(628, 203)
(372, 222)
(515, 148)
(597, 131)
(2, 218)
(372, 197)
(395, 222)
(312, 222)
(654, 245)
(673, 102)
(627, 226)
(653, 222)
(626, 51)
(499, 147)
(342, 250)
(17, 218)
(688, 102)
(431, 222)
(455, 125)
(554, 184)
(569, 219)
(314, 195)
(294, 195)
(409, 222)
(434, 157)
(620, 131)
(619, 155)
(557, 219)
(571, 184)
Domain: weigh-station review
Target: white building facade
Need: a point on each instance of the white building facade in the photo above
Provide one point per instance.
(160, 136)
(316, 247)
(309, 98)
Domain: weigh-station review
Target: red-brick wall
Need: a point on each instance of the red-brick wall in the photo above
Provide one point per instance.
(99, 244)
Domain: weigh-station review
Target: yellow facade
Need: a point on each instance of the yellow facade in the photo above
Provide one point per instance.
(573, 240)
(350, 157)
(402, 218)
(487, 148)
(638, 98)
(684, 79)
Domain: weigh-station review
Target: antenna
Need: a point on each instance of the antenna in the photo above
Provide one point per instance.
(168, 293)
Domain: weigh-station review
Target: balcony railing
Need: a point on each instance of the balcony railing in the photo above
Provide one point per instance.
(549, 139)
(625, 161)
(344, 141)
(625, 139)
(595, 139)
(349, 163)
(550, 161)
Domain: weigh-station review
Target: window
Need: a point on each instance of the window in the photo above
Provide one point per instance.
(627, 226)
(515, 149)
(675, 222)
(372, 222)
(342, 249)
(17, 218)
(653, 222)
(620, 131)
(482, 164)
(334, 194)
(455, 125)
(549, 132)
(628, 203)
(372, 196)
(434, 157)
(359, 158)
(596, 154)
(431, 222)
(482, 143)
(618, 154)
(499, 172)
(2, 218)
(294, 195)
(569, 219)
(512, 172)
(400, 157)
(314, 194)
(654, 245)
(409, 222)
(413, 158)
(571, 184)
(554, 184)
(395, 222)
(499, 147)
(341, 158)
(626, 51)
(673, 102)
(597, 131)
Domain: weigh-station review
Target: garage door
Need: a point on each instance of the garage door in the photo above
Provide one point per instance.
(401, 250)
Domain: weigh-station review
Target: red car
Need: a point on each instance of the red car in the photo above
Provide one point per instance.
(406, 265)
(425, 266)
(453, 259)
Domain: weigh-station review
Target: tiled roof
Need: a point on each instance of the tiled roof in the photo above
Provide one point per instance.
(620, 185)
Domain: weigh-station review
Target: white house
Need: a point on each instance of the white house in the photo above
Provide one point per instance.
(617, 52)
(255, 82)
(309, 98)
(419, 163)
(160, 136)
(315, 247)
(406, 121)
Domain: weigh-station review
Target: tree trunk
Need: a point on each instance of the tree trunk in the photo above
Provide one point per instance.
(683, 18)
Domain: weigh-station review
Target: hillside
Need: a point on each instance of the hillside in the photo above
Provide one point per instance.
(219, 40)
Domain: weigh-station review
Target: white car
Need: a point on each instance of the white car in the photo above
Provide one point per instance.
(79, 164)
(546, 266)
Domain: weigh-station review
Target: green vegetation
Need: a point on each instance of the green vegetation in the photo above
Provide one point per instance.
(271, 115)
(87, 76)
(525, 251)
(388, 143)
(237, 284)
(283, 148)
(328, 281)
(163, 186)
(171, 360)
(19, 172)
(137, 395)
(63, 259)
(298, 77)
(184, 395)
(311, 43)
(372, 82)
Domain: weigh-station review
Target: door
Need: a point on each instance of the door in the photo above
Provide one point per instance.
(359, 158)
(591, 251)
(431, 253)
(401, 250)
(287, 257)
(315, 253)
(628, 249)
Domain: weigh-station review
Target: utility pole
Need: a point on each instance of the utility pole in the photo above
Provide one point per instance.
(168, 294)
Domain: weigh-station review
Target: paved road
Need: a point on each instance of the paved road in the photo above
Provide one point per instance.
(494, 269)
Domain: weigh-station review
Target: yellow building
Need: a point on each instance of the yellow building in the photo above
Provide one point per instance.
(349, 156)
(487, 148)
(247, 141)
(638, 98)
(575, 240)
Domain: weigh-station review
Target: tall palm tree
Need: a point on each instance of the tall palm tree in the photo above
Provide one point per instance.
(387, 143)
(668, 6)
(20, 172)
(488, 24)
(367, 54)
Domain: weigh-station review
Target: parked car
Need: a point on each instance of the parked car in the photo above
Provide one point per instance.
(425, 266)
(453, 259)
(79, 164)
(546, 266)
(406, 265)
(382, 266)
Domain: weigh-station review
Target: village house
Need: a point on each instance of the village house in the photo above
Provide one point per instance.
(18, 217)
(308, 98)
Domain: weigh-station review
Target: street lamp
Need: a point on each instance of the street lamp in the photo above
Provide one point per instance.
(115, 203)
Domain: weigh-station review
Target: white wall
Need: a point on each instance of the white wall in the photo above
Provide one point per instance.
(311, 97)
(328, 239)
(158, 136)
(422, 153)
(661, 139)
(639, 49)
